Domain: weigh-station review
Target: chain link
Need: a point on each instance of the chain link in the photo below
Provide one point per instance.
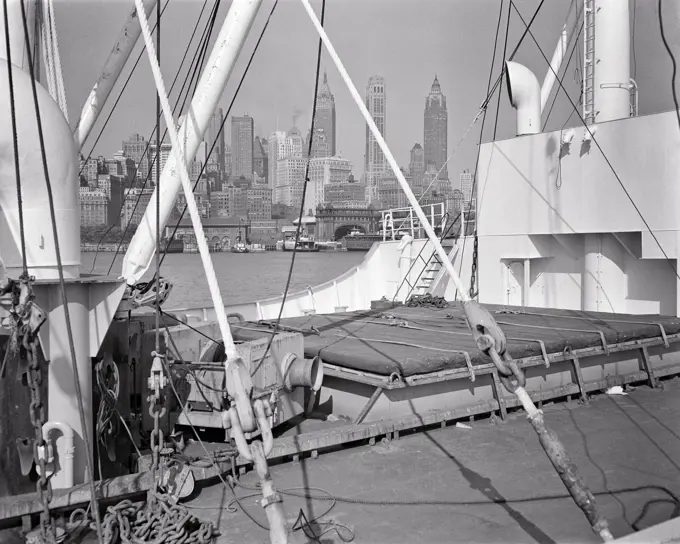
(24, 321)
(158, 520)
(156, 384)
(473, 276)
(37, 414)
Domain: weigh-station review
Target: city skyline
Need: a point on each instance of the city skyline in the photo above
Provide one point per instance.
(280, 83)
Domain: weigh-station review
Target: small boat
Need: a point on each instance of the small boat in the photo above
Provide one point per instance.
(239, 247)
(303, 244)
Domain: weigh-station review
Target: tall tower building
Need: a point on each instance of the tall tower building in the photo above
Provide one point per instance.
(416, 166)
(375, 163)
(242, 146)
(134, 148)
(166, 149)
(436, 129)
(466, 185)
(213, 134)
(325, 118)
(276, 143)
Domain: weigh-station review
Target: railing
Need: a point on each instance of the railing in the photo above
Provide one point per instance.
(412, 286)
(404, 220)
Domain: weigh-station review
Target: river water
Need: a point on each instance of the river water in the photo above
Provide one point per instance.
(242, 277)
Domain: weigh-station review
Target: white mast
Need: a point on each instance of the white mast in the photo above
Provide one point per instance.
(607, 88)
(555, 64)
(119, 55)
(606, 83)
(220, 65)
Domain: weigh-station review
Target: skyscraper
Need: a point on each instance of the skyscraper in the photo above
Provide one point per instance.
(416, 167)
(466, 185)
(436, 128)
(213, 134)
(325, 119)
(242, 146)
(375, 163)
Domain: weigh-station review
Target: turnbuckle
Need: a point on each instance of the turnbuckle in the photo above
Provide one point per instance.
(491, 341)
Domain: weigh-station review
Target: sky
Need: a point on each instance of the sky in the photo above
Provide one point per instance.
(405, 41)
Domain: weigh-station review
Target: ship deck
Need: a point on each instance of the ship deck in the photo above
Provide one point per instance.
(407, 341)
(492, 482)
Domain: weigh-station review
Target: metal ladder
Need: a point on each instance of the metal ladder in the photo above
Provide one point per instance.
(589, 61)
(429, 274)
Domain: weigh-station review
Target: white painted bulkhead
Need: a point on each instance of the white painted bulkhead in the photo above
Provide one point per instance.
(556, 206)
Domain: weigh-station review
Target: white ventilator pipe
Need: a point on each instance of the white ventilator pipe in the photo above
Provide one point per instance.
(388, 154)
(210, 88)
(555, 64)
(119, 55)
(525, 97)
(228, 341)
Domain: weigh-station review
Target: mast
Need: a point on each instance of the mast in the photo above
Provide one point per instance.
(16, 33)
(220, 65)
(119, 55)
(607, 82)
(607, 87)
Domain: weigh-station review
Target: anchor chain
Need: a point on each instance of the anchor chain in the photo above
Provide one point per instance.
(157, 520)
(157, 382)
(492, 342)
(24, 321)
(473, 275)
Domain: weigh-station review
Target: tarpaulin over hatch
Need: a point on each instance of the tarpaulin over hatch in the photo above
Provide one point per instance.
(421, 340)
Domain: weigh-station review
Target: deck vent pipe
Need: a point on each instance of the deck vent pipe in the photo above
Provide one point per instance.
(302, 372)
(525, 97)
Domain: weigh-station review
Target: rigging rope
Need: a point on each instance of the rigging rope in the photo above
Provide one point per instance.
(298, 231)
(15, 140)
(473, 274)
(62, 284)
(224, 120)
(594, 140)
(157, 310)
(216, 295)
(113, 108)
(197, 54)
(53, 68)
(489, 95)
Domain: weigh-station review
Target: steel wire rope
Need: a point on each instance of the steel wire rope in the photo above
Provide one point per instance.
(481, 134)
(120, 95)
(490, 94)
(221, 129)
(604, 155)
(62, 283)
(673, 61)
(133, 179)
(196, 61)
(15, 142)
(157, 309)
(298, 231)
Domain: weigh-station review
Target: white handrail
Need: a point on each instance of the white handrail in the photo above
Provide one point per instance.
(227, 339)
